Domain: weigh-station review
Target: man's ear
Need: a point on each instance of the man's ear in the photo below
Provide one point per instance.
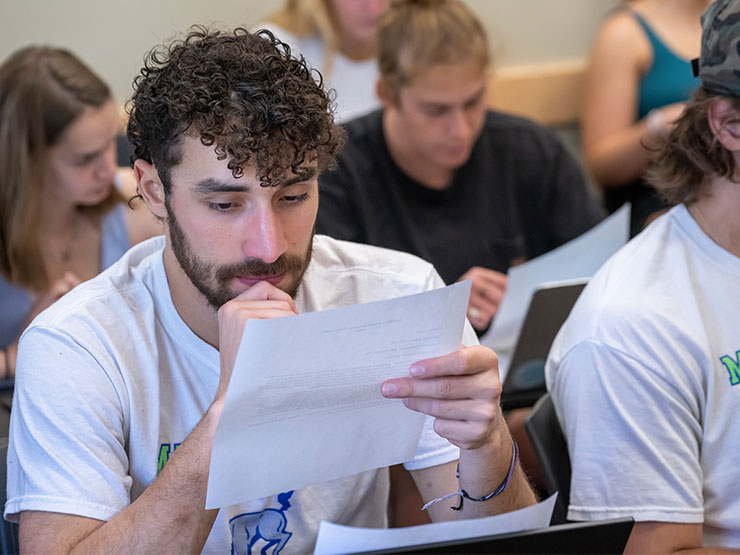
(386, 93)
(150, 187)
(724, 121)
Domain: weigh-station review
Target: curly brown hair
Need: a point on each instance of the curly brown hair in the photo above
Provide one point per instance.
(240, 91)
(691, 155)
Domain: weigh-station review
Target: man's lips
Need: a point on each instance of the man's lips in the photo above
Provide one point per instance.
(251, 280)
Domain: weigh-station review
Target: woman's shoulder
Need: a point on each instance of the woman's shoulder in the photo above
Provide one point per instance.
(621, 28)
(621, 42)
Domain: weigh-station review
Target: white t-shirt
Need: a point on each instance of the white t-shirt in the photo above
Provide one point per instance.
(111, 380)
(354, 81)
(644, 376)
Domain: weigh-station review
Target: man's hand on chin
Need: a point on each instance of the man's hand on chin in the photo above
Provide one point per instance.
(262, 300)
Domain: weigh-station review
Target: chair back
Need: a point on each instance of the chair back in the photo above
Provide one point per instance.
(551, 449)
(8, 530)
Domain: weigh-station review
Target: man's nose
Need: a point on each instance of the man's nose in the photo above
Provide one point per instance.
(265, 237)
(460, 126)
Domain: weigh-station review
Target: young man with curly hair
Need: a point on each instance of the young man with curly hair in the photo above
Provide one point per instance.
(645, 373)
(129, 371)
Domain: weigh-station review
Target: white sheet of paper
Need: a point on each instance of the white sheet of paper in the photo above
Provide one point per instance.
(335, 539)
(578, 258)
(304, 403)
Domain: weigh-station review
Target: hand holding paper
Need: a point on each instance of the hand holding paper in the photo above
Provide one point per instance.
(304, 403)
(460, 390)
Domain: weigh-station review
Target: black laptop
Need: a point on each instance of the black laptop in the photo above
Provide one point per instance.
(598, 536)
(524, 382)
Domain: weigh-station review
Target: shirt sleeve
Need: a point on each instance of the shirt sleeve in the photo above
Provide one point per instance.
(633, 435)
(66, 452)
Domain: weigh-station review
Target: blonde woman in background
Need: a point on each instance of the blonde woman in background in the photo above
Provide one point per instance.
(638, 78)
(62, 219)
(337, 37)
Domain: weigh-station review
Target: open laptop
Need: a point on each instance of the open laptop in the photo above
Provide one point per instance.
(599, 536)
(550, 305)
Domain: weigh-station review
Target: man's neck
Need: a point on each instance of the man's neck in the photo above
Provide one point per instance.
(406, 157)
(716, 213)
(197, 314)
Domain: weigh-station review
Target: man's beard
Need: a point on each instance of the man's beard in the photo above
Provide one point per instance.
(213, 281)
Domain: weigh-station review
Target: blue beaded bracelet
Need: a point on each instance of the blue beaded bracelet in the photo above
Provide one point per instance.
(498, 491)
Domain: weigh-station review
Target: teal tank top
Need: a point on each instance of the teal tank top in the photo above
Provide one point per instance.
(668, 80)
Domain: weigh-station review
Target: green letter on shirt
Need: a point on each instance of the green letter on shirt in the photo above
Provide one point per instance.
(732, 367)
(164, 455)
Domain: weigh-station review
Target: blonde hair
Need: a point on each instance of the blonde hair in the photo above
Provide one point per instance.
(416, 34)
(306, 18)
(43, 90)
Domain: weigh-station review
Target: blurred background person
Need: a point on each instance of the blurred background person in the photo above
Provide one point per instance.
(437, 174)
(638, 78)
(62, 219)
(338, 38)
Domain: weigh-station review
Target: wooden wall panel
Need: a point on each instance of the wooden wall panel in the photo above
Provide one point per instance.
(550, 94)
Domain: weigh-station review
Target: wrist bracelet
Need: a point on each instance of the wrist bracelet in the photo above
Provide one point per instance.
(498, 491)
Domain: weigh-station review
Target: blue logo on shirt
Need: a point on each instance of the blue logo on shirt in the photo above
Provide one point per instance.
(268, 525)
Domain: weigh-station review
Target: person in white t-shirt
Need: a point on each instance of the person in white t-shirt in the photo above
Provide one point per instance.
(121, 384)
(645, 373)
(338, 38)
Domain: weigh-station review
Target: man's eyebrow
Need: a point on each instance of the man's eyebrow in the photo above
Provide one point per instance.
(478, 94)
(306, 175)
(472, 98)
(211, 185)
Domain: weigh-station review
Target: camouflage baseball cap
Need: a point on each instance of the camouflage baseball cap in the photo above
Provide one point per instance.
(719, 62)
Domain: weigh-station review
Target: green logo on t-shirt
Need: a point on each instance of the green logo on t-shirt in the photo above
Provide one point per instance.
(165, 450)
(733, 367)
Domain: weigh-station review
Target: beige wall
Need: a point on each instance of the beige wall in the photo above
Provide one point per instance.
(533, 32)
(112, 36)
